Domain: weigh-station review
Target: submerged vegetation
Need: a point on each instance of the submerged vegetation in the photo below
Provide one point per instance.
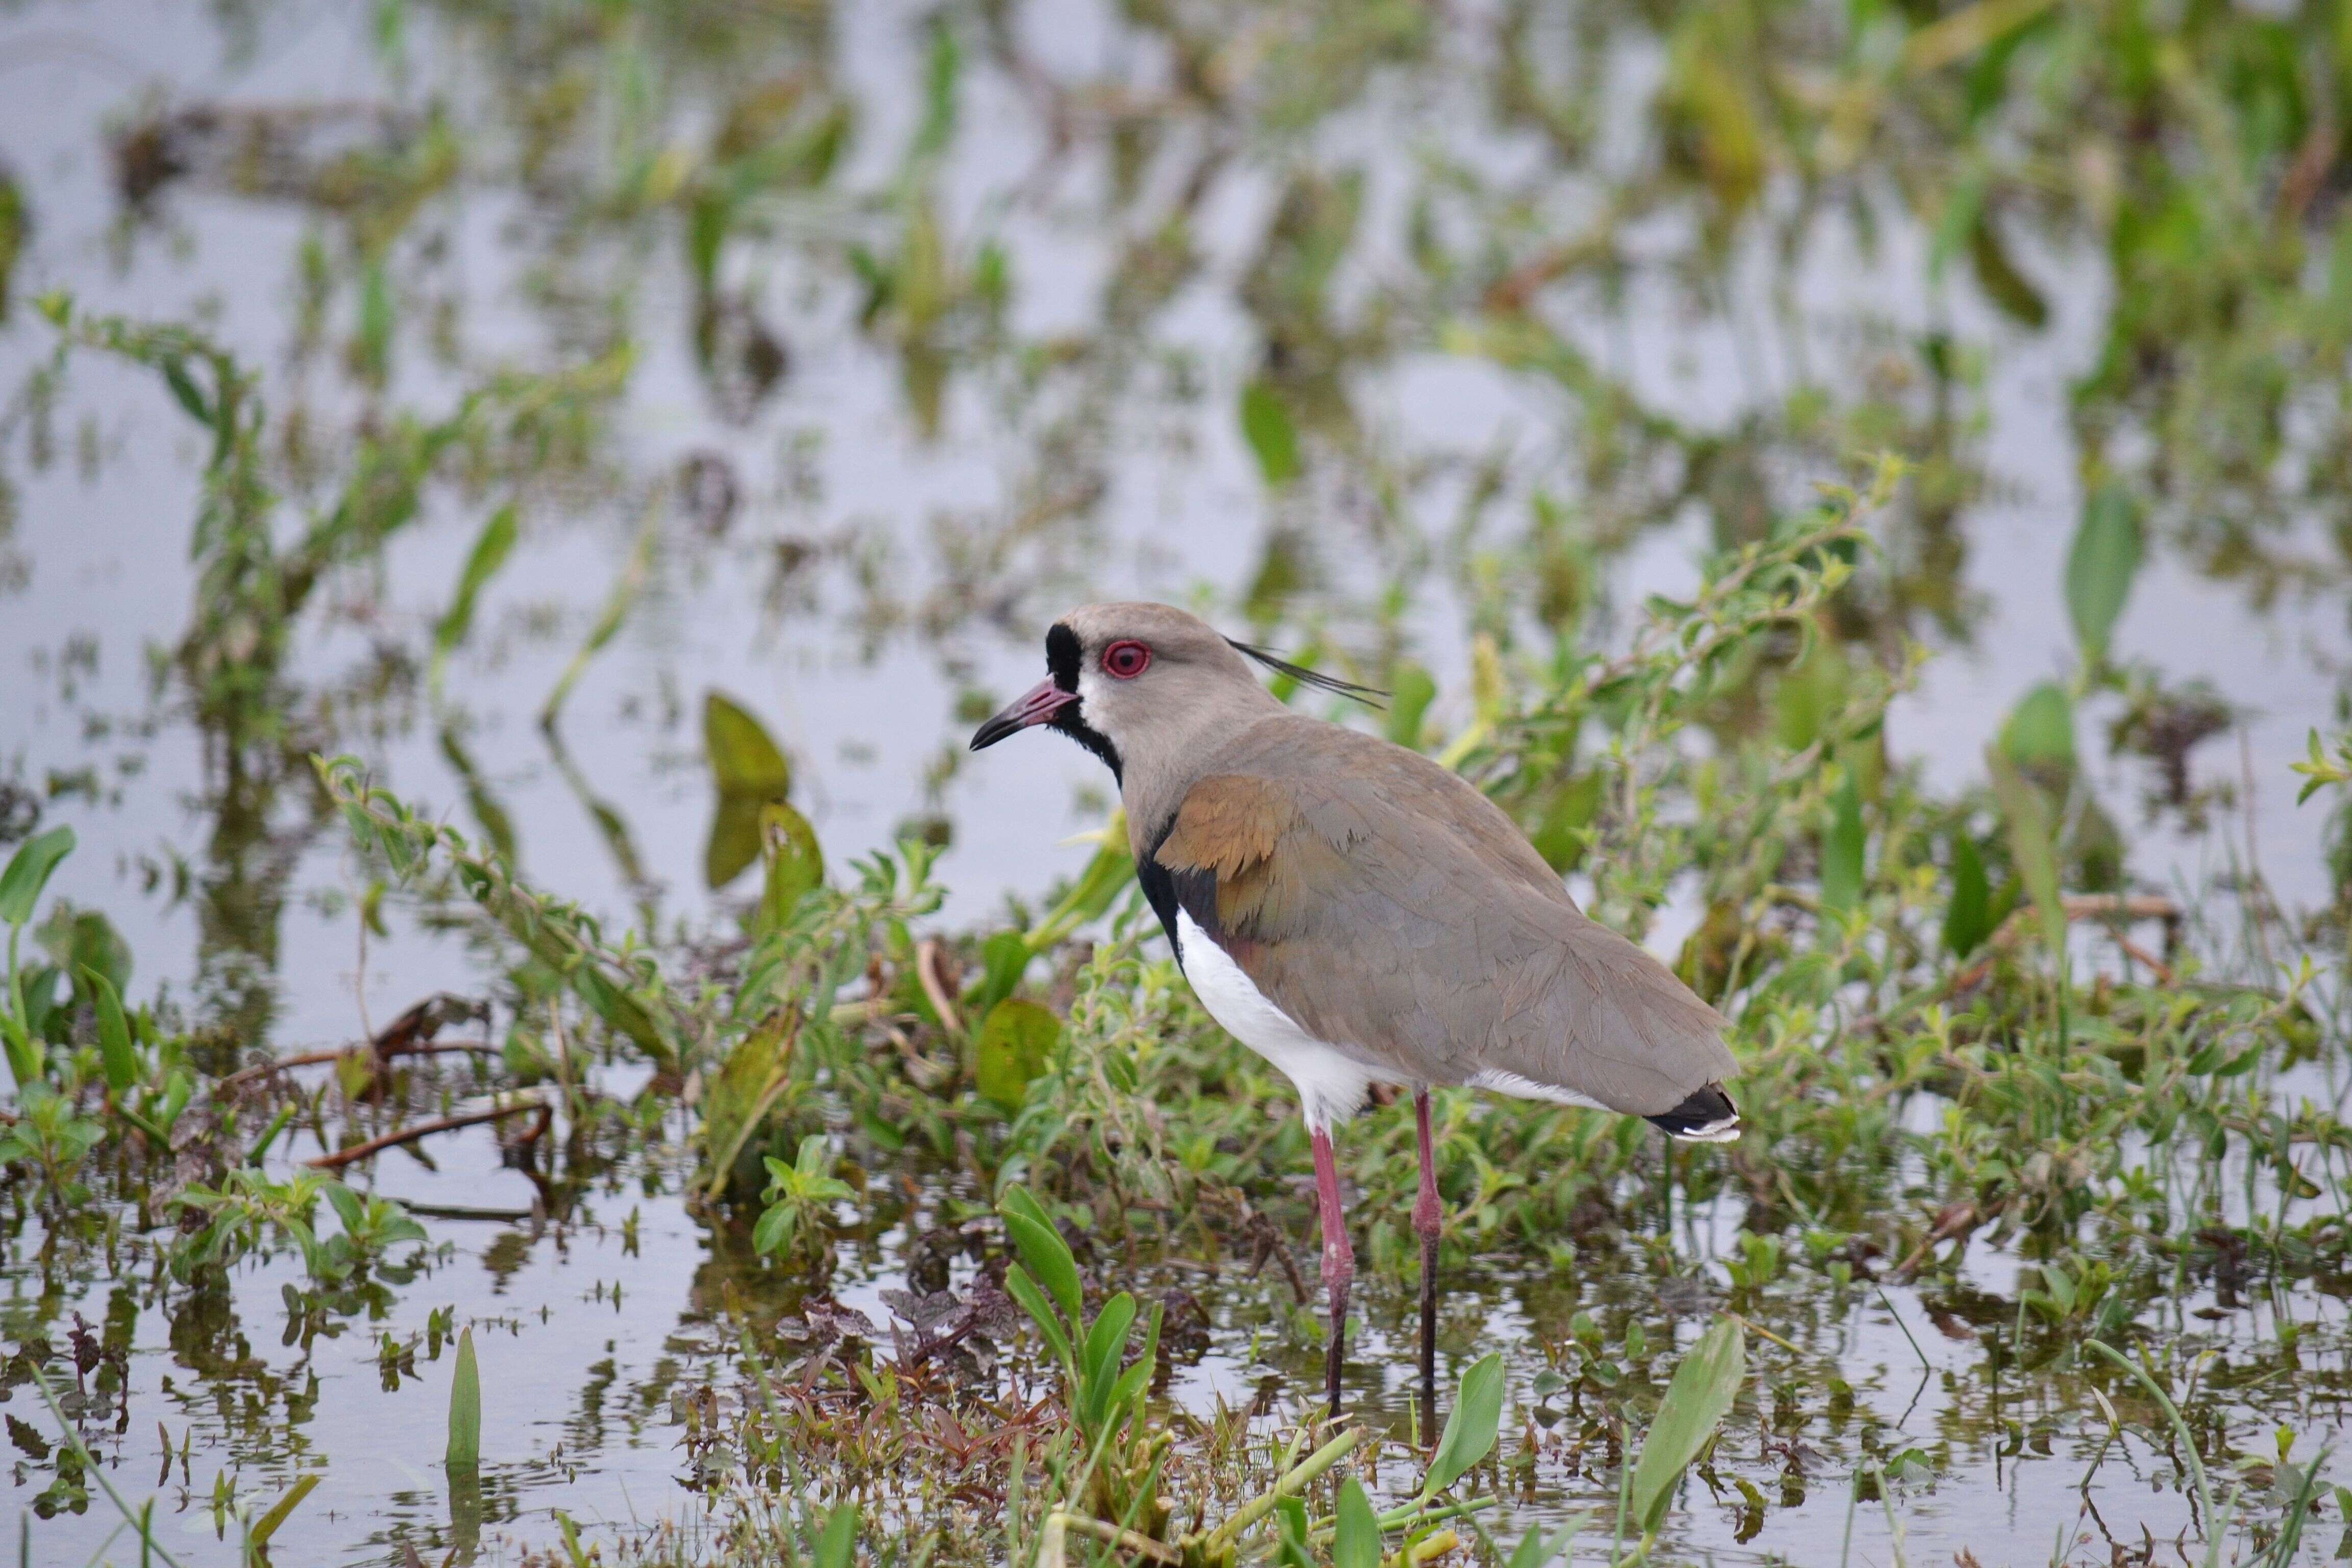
(967, 1237)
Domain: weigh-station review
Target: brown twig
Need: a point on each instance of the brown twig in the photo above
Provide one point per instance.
(320, 1058)
(342, 1157)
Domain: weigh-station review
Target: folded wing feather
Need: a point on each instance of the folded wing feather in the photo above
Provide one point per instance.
(1392, 909)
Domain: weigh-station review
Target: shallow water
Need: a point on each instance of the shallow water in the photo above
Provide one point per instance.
(866, 578)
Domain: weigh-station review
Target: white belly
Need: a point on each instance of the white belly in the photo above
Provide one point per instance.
(1330, 1082)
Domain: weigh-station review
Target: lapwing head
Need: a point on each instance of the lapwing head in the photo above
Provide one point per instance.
(1147, 688)
(1132, 682)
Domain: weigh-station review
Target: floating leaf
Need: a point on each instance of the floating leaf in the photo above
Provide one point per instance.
(28, 872)
(1016, 1040)
(1470, 1430)
(1266, 426)
(1358, 1542)
(1841, 851)
(1968, 920)
(465, 1408)
(2100, 565)
(1701, 1393)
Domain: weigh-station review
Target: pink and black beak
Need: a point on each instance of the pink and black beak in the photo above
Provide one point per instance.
(1036, 706)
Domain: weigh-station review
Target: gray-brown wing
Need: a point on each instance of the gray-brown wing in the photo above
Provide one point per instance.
(1386, 913)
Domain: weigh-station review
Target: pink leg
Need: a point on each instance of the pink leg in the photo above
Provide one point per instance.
(1339, 1260)
(1428, 1214)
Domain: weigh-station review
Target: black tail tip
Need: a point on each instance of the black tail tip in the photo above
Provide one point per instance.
(1707, 1117)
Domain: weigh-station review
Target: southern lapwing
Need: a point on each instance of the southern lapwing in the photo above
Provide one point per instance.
(1355, 913)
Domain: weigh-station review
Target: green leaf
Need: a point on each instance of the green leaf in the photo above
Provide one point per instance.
(1998, 276)
(1537, 1550)
(743, 759)
(1290, 1534)
(266, 1525)
(28, 872)
(1043, 1248)
(1358, 1542)
(751, 773)
(837, 1546)
(2030, 845)
(1968, 920)
(774, 1229)
(116, 1056)
(1004, 959)
(465, 1408)
(1266, 426)
(2039, 734)
(1023, 1290)
(491, 548)
(1470, 1430)
(1016, 1040)
(1412, 690)
(2100, 567)
(795, 864)
(1702, 1391)
(1099, 1359)
(1841, 851)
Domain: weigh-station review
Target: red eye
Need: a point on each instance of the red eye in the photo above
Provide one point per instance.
(1126, 659)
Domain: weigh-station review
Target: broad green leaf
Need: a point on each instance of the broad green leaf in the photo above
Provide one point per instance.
(1099, 1359)
(1470, 1430)
(266, 1525)
(1841, 851)
(119, 1060)
(1023, 1290)
(1266, 426)
(1811, 693)
(1538, 1550)
(1412, 690)
(795, 861)
(1358, 1542)
(749, 772)
(2100, 567)
(837, 1546)
(1701, 1393)
(28, 872)
(1016, 1040)
(741, 1094)
(1290, 1549)
(1004, 959)
(1042, 1248)
(743, 759)
(491, 548)
(1968, 920)
(2039, 734)
(465, 1408)
(2031, 845)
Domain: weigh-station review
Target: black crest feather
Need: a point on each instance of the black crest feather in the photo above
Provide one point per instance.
(1370, 696)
